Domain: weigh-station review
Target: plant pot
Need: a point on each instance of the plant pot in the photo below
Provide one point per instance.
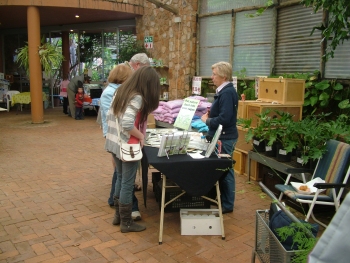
(311, 164)
(270, 150)
(282, 155)
(258, 146)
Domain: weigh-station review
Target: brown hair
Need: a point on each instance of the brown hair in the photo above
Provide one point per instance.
(119, 74)
(144, 82)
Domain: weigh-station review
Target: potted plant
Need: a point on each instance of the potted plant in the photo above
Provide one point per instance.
(50, 57)
(283, 133)
(256, 134)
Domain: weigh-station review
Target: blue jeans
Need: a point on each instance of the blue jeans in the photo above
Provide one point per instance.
(135, 202)
(228, 184)
(125, 184)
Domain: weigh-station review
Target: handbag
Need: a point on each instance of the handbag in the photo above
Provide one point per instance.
(129, 152)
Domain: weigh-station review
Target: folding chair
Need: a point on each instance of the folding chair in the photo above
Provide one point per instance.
(333, 168)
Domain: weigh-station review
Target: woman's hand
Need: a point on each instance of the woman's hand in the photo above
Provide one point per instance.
(204, 117)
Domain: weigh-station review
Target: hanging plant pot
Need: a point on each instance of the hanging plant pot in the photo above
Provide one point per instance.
(258, 145)
(270, 150)
(282, 155)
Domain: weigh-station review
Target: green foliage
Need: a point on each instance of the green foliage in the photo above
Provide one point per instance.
(322, 96)
(304, 242)
(338, 28)
(246, 87)
(50, 57)
(129, 47)
(261, 10)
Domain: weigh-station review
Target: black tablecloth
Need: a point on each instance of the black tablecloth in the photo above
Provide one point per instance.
(195, 176)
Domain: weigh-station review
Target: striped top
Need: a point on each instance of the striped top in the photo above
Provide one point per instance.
(126, 124)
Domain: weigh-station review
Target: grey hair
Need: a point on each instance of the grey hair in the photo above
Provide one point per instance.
(140, 58)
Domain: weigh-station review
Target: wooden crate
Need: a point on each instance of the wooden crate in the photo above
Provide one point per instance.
(258, 108)
(242, 108)
(242, 144)
(254, 170)
(240, 162)
(241, 165)
(284, 91)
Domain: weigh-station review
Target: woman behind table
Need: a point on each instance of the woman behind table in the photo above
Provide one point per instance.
(135, 98)
(224, 111)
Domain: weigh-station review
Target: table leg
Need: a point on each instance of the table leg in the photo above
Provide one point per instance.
(162, 211)
(220, 210)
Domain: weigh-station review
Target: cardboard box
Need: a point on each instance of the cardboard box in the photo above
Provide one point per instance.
(258, 108)
(200, 222)
(280, 90)
(242, 108)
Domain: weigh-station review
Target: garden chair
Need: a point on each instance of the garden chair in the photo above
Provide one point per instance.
(333, 168)
(9, 95)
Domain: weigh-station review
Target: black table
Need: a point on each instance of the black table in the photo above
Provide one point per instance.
(195, 177)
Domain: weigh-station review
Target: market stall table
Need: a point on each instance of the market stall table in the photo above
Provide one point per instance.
(24, 98)
(195, 177)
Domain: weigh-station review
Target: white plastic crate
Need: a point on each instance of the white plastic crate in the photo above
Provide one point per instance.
(200, 222)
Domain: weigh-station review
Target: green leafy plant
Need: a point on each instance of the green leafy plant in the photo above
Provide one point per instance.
(245, 86)
(50, 57)
(297, 232)
(129, 47)
(338, 27)
(261, 10)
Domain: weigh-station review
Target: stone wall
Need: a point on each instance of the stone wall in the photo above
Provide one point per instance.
(174, 43)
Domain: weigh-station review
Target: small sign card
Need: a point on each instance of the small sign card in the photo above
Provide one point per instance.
(196, 85)
(183, 120)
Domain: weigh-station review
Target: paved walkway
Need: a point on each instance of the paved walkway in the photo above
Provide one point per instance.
(54, 185)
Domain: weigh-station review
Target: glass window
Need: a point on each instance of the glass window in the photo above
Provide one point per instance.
(296, 50)
(252, 43)
(214, 44)
(210, 6)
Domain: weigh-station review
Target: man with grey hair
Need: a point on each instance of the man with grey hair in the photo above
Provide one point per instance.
(137, 61)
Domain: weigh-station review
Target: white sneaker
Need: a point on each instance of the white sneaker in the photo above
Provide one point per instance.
(136, 216)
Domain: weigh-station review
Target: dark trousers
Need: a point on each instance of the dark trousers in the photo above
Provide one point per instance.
(78, 113)
(65, 105)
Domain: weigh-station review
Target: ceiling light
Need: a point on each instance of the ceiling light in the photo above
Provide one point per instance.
(76, 16)
(71, 30)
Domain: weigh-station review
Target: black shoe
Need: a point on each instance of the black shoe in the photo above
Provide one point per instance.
(225, 211)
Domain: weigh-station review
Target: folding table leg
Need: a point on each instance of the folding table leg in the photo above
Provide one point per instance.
(220, 211)
(162, 211)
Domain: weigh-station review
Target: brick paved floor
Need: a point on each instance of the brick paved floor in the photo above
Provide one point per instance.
(54, 185)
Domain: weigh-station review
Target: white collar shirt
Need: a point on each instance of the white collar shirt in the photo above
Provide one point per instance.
(221, 86)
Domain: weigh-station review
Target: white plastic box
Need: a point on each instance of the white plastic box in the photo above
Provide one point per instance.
(200, 222)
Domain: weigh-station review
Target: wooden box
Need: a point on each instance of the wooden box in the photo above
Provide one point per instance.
(242, 145)
(254, 170)
(258, 108)
(284, 91)
(242, 108)
(239, 157)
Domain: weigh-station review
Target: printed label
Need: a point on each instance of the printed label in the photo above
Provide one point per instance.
(268, 148)
(256, 142)
(282, 152)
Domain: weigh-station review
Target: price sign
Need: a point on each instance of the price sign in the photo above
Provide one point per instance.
(148, 42)
(196, 85)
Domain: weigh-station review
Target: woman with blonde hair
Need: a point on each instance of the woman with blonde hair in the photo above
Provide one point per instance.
(224, 111)
(134, 100)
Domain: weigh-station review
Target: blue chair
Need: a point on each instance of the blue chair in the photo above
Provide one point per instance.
(333, 168)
